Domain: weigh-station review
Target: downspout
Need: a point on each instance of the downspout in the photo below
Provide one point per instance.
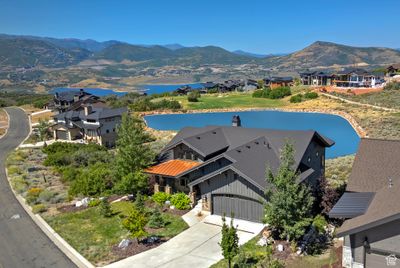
(366, 249)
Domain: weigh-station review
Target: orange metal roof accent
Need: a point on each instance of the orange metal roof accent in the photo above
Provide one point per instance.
(172, 167)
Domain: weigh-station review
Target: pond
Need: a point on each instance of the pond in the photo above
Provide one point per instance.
(331, 126)
(101, 92)
(157, 89)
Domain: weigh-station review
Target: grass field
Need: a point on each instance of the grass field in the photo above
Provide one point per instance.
(386, 98)
(93, 235)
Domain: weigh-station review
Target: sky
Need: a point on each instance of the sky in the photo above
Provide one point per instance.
(258, 26)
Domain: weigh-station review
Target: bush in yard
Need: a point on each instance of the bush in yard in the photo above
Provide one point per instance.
(327, 196)
(139, 202)
(296, 98)
(33, 194)
(105, 208)
(94, 203)
(290, 203)
(261, 93)
(270, 261)
(319, 223)
(392, 86)
(229, 242)
(45, 196)
(135, 224)
(180, 201)
(311, 95)
(19, 184)
(194, 96)
(161, 197)
(279, 92)
(156, 220)
(12, 170)
(39, 208)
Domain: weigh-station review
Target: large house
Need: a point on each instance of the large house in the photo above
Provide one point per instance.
(316, 78)
(224, 167)
(354, 78)
(393, 70)
(74, 100)
(276, 81)
(371, 207)
(90, 124)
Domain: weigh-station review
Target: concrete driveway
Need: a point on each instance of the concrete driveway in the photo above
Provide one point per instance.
(22, 243)
(196, 247)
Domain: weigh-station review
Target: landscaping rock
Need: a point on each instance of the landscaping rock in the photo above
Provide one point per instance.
(172, 207)
(152, 240)
(124, 243)
(262, 242)
(168, 202)
(280, 247)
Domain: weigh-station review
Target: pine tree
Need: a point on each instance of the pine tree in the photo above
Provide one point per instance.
(133, 154)
(290, 203)
(230, 241)
(156, 220)
(105, 208)
(135, 223)
(139, 202)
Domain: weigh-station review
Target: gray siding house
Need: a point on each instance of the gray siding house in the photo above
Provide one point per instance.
(90, 124)
(224, 167)
(371, 207)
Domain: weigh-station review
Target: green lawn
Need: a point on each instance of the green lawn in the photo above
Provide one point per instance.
(93, 235)
(229, 100)
(328, 258)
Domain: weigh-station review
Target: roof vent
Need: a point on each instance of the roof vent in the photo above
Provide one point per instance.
(214, 132)
(390, 183)
(248, 146)
(239, 151)
(256, 142)
(198, 138)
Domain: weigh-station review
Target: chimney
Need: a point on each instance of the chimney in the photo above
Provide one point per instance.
(88, 110)
(76, 98)
(236, 122)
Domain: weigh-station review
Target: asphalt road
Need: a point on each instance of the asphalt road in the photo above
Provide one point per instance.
(22, 243)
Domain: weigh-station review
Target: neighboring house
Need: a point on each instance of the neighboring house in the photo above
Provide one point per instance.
(371, 207)
(210, 86)
(250, 85)
(393, 70)
(275, 82)
(90, 124)
(225, 166)
(73, 100)
(316, 79)
(354, 78)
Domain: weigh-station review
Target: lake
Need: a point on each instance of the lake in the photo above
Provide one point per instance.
(101, 92)
(331, 126)
(157, 89)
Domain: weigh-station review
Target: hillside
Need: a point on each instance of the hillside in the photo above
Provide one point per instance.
(326, 54)
(21, 52)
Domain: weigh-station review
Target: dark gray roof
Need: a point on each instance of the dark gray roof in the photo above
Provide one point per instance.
(357, 71)
(251, 150)
(69, 94)
(97, 113)
(351, 205)
(376, 169)
(281, 79)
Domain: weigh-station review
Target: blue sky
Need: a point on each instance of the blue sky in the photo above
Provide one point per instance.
(261, 26)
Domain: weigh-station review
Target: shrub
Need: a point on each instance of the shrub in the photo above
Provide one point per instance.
(105, 208)
(194, 96)
(156, 220)
(392, 86)
(14, 170)
(135, 223)
(319, 223)
(33, 194)
(161, 197)
(261, 93)
(311, 95)
(280, 92)
(180, 201)
(19, 184)
(45, 196)
(94, 203)
(39, 208)
(296, 98)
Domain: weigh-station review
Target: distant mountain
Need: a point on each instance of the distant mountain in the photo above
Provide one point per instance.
(68, 43)
(326, 54)
(249, 54)
(160, 55)
(21, 52)
(173, 46)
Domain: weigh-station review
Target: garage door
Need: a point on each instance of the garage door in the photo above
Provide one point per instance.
(243, 208)
(62, 135)
(380, 261)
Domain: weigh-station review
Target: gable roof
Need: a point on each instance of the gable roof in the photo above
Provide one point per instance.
(376, 169)
(250, 150)
(68, 95)
(172, 167)
(97, 113)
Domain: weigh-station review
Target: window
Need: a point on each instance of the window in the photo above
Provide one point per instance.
(107, 131)
(91, 120)
(183, 182)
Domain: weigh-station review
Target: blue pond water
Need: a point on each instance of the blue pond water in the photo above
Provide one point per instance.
(95, 91)
(331, 126)
(156, 89)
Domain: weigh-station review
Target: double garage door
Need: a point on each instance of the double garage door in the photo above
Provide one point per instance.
(242, 208)
(381, 261)
(62, 134)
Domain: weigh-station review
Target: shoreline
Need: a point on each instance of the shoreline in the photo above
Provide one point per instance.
(349, 118)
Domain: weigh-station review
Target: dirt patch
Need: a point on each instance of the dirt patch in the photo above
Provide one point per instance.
(71, 208)
(176, 211)
(350, 91)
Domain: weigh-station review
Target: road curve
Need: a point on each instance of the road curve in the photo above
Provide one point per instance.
(22, 243)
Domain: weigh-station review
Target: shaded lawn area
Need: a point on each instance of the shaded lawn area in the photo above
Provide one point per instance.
(93, 235)
(229, 100)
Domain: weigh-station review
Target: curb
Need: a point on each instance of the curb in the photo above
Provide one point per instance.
(8, 123)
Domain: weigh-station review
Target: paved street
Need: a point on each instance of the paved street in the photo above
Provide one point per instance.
(22, 243)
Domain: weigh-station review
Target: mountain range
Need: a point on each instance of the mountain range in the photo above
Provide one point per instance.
(21, 51)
